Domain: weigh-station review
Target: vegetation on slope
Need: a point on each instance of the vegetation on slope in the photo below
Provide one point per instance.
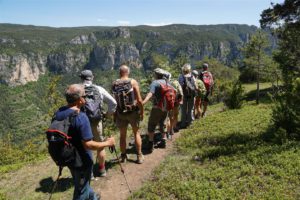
(225, 157)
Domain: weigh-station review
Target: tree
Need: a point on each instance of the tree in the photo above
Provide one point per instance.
(284, 19)
(255, 56)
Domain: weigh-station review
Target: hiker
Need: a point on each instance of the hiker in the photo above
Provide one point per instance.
(82, 139)
(208, 81)
(161, 106)
(173, 114)
(97, 95)
(189, 87)
(201, 91)
(129, 110)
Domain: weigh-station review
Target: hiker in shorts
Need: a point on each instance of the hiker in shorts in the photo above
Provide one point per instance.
(189, 87)
(96, 125)
(173, 114)
(207, 79)
(82, 140)
(130, 110)
(158, 115)
(199, 94)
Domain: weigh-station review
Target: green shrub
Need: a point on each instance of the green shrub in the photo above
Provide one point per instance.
(286, 112)
(235, 96)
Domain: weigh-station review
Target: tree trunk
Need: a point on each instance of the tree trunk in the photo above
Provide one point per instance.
(257, 88)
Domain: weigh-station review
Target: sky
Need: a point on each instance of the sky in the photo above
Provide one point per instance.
(71, 13)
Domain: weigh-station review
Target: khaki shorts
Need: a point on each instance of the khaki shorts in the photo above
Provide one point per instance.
(157, 117)
(97, 130)
(132, 118)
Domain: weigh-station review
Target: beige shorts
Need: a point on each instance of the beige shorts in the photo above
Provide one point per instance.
(97, 129)
(132, 118)
(157, 117)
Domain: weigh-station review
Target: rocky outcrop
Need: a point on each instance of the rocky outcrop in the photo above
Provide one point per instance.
(84, 39)
(113, 55)
(21, 68)
(66, 62)
(120, 32)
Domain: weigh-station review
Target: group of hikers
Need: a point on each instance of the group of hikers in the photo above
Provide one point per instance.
(77, 128)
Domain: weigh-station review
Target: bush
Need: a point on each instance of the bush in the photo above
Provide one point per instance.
(286, 112)
(235, 96)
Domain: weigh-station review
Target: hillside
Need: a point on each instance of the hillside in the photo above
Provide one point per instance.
(27, 52)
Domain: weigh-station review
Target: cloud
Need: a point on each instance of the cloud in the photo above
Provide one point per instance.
(98, 20)
(158, 24)
(123, 22)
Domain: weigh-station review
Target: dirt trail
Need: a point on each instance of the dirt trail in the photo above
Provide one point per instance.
(114, 187)
(34, 181)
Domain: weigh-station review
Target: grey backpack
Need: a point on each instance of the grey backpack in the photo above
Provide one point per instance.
(92, 107)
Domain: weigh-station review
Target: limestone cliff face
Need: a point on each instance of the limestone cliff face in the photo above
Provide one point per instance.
(66, 62)
(21, 68)
(113, 55)
(108, 48)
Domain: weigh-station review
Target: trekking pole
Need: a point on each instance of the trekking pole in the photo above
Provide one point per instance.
(55, 183)
(113, 149)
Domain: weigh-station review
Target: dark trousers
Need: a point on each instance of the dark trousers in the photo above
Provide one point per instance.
(186, 111)
(81, 179)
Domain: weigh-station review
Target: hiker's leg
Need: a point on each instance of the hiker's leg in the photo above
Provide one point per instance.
(175, 118)
(184, 112)
(81, 178)
(197, 107)
(190, 108)
(123, 132)
(138, 139)
(97, 130)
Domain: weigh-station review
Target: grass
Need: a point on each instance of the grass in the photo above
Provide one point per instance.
(225, 157)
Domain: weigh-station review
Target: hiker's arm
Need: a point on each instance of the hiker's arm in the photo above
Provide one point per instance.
(139, 97)
(93, 145)
(110, 101)
(148, 97)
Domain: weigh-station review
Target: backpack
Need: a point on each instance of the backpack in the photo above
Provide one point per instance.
(189, 87)
(207, 79)
(168, 97)
(92, 107)
(124, 95)
(60, 147)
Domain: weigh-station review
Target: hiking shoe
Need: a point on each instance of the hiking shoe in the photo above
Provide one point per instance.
(124, 157)
(98, 196)
(102, 172)
(169, 136)
(93, 178)
(150, 146)
(140, 158)
(162, 144)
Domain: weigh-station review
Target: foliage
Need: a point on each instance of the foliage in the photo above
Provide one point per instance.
(255, 58)
(235, 96)
(225, 158)
(285, 19)
(286, 113)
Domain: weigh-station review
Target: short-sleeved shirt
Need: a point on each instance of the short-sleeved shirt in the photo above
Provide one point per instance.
(155, 88)
(80, 130)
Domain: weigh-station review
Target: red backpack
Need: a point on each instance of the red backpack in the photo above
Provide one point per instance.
(168, 97)
(207, 79)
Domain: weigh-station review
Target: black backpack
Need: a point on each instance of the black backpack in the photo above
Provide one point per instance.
(60, 148)
(92, 107)
(124, 94)
(189, 87)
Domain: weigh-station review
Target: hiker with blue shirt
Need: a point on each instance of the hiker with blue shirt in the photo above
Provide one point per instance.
(82, 140)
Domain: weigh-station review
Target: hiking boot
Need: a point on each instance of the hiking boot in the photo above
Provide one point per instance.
(176, 130)
(162, 144)
(140, 158)
(102, 172)
(150, 146)
(98, 196)
(93, 178)
(124, 157)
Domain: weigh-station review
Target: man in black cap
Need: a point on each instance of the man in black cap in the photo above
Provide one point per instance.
(102, 95)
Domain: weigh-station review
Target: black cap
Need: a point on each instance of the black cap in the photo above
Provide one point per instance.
(86, 75)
